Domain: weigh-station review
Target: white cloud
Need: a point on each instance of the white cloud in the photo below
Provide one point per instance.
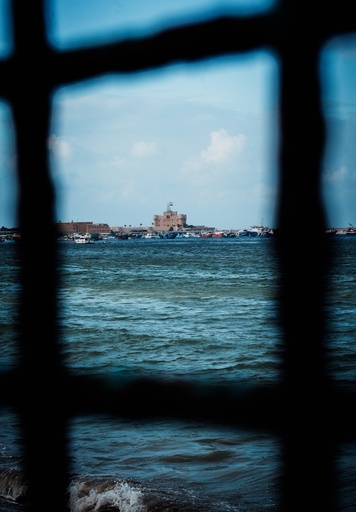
(143, 149)
(223, 147)
(338, 176)
(59, 147)
(217, 161)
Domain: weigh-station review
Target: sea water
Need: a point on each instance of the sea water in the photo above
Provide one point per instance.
(200, 309)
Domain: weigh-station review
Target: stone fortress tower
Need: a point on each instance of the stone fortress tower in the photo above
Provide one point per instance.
(170, 220)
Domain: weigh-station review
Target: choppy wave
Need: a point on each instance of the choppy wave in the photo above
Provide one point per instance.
(88, 495)
(205, 311)
(13, 485)
(106, 494)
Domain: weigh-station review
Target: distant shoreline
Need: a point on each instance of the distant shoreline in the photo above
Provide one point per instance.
(13, 234)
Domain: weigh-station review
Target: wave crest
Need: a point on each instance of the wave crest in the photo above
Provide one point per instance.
(13, 485)
(103, 496)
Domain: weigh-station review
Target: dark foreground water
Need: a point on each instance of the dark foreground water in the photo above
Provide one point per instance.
(198, 308)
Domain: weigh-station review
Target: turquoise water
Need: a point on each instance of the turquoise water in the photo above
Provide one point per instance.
(203, 309)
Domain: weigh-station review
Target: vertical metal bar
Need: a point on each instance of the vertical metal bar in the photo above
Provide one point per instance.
(42, 407)
(309, 449)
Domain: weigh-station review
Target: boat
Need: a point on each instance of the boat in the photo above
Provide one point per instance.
(150, 235)
(351, 230)
(83, 239)
(170, 235)
(190, 234)
(260, 230)
(187, 234)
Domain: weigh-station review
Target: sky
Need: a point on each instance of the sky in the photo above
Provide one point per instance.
(202, 136)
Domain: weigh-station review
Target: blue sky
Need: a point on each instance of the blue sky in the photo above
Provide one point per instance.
(203, 136)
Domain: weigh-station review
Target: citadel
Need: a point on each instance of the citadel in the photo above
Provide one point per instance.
(170, 220)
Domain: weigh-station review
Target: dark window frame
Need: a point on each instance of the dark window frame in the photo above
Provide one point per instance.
(42, 392)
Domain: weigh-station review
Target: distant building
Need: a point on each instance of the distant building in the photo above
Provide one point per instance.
(82, 228)
(170, 220)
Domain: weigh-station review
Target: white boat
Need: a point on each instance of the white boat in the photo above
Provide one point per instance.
(260, 230)
(151, 235)
(187, 234)
(351, 230)
(83, 239)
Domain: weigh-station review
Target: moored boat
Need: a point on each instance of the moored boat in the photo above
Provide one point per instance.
(260, 230)
(150, 235)
(83, 239)
(170, 235)
(351, 230)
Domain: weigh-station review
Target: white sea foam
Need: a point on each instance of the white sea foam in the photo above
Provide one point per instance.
(97, 495)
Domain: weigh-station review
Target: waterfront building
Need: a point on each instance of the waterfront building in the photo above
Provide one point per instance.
(170, 220)
(82, 228)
